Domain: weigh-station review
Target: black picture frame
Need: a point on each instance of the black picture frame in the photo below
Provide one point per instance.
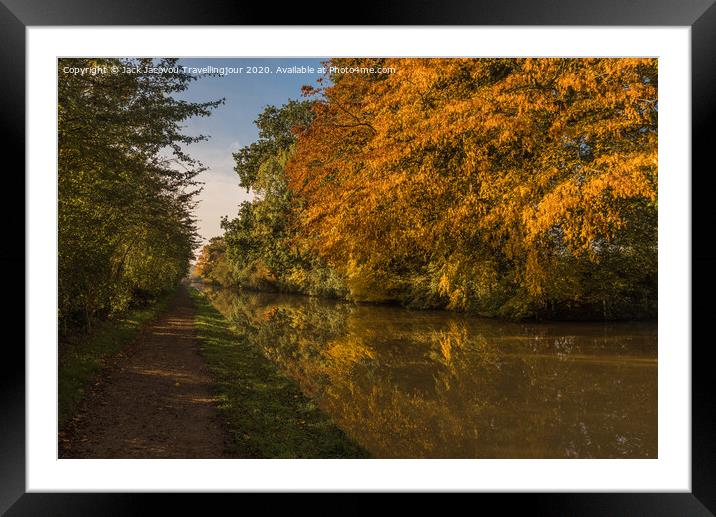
(700, 15)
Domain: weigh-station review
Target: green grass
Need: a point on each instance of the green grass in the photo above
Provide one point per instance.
(82, 356)
(267, 414)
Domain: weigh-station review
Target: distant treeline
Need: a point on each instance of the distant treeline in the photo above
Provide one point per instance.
(505, 187)
(126, 231)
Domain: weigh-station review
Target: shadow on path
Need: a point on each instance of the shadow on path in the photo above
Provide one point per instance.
(154, 403)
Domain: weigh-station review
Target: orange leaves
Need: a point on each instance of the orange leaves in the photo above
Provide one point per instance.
(485, 157)
(588, 206)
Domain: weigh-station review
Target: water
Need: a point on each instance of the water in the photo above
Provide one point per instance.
(435, 384)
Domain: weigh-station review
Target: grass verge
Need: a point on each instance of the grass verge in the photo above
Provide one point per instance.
(82, 356)
(267, 414)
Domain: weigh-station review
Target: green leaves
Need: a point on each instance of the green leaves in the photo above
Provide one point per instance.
(278, 128)
(126, 185)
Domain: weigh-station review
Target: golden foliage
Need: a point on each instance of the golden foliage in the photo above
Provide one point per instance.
(490, 167)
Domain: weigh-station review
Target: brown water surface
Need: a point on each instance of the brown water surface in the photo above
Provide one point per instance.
(436, 384)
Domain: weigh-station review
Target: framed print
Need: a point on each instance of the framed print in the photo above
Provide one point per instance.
(451, 252)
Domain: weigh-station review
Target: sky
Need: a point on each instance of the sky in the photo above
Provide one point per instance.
(231, 126)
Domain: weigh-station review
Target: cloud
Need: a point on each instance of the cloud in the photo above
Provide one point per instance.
(219, 198)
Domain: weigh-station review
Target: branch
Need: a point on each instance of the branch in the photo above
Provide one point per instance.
(358, 120)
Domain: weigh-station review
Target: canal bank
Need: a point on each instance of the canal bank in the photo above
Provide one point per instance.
(266, 413)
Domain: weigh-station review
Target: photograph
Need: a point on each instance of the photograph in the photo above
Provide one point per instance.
(357, 257)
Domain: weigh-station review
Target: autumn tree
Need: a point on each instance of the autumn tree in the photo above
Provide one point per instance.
(212, 265)
(262, 244)
(504, 186)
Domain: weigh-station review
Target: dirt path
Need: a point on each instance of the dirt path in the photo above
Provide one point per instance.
(155, 402)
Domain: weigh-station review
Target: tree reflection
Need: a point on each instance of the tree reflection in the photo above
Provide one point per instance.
(419, 384)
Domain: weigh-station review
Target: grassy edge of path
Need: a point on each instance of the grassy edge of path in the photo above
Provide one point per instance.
(266, 413)
(83, 356)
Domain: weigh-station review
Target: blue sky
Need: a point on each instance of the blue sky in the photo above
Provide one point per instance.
(231, 126)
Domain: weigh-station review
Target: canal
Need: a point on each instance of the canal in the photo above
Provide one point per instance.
(438, 384)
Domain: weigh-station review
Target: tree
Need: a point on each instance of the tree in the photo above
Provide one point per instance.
(126, 185)
(261, 241)
(504, 186)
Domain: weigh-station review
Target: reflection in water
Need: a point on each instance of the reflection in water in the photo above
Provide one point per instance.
(434, 384)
